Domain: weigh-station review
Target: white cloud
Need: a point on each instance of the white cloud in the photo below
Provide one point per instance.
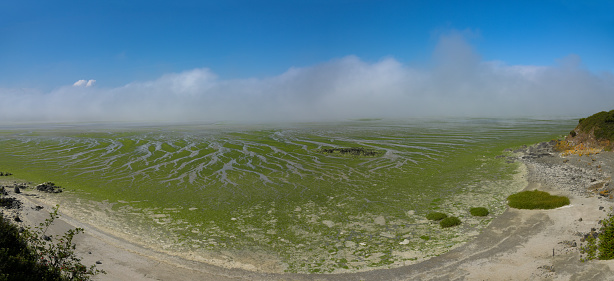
(458, 83)
(80, 83)
(84, 83)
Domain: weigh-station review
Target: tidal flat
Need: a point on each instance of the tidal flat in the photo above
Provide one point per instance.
(265, 197)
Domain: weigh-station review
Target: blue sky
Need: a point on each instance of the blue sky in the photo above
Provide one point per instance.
(46, 46)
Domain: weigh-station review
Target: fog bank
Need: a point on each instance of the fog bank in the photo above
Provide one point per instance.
(455, 82)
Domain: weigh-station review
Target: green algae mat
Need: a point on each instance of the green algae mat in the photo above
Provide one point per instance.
(306, 198)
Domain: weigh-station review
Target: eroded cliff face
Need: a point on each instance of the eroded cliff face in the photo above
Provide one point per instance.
(596, 131)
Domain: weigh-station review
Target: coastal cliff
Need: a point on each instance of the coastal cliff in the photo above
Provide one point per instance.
(596, 131)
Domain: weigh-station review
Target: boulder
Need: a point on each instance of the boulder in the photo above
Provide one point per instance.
(48, 187)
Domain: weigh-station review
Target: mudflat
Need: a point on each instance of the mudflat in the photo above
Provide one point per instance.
(517, 245)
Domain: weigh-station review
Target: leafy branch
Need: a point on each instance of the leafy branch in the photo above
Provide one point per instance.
(58, 256)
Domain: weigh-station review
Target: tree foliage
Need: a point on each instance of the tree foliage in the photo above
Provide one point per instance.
(31, 254)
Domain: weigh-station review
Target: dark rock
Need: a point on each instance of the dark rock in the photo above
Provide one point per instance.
(48, 187)
(10, 203)
(98, 262)
(580, 219)
(38, 208)
(18, 219)
(600, 208)
(17, 189)
(46, 238)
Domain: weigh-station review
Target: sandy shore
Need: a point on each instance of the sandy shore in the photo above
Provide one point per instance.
(518, 245)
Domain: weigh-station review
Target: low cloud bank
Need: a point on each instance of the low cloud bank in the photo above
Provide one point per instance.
(455, 83)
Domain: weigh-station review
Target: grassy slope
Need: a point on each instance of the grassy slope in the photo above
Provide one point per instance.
(602, 123)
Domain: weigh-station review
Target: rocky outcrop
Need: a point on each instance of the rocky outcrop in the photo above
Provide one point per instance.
(48, 187)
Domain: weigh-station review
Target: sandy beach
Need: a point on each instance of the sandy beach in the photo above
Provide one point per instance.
(517, 245)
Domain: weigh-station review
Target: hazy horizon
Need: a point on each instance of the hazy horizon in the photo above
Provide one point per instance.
(493, 66)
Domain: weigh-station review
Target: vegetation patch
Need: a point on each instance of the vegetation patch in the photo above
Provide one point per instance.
(536, 200)
(436, 216)
(206, 189)
(450, 222)
(479, 211)
(602, 123)
(351, 151)
(30, 254)
(606, 239)
(600, 245)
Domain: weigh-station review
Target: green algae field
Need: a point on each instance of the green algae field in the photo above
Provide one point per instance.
(305, 198)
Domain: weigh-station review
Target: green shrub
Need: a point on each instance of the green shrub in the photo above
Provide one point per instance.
(602, 125)
(436, 216)
(590, 249)
(606, 239)
(536, 200)
(449, 222)
(29, 255)
(479, 211)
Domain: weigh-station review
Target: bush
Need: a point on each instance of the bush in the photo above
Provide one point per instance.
(479, 212)
(29, 254)
(436, 216)
(450, 222)
(536, 200)
(17, 261)
(602, 125)
(606, 239)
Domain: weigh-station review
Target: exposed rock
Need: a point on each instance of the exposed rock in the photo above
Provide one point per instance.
(48, 187)
(10, 203)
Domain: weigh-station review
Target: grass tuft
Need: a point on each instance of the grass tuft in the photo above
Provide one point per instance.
(536, 200)
(479, 211)
(450, 222)
(436, 216)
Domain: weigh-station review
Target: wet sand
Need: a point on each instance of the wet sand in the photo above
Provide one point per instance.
(517, 245)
